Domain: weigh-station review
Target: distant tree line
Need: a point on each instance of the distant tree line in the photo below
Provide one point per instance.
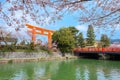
(68, 38)
(10, 43)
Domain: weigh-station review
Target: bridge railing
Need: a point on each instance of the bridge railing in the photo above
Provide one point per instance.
(107, 49)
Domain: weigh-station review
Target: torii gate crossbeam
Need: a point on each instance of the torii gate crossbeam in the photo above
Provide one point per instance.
(37, 30)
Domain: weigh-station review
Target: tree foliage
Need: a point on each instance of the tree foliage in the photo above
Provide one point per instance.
(105, 41)
(90, 36)
(80, 39)
(74, 32)
(64, 39)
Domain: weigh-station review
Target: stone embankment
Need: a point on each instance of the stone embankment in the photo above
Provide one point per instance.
(13, 57)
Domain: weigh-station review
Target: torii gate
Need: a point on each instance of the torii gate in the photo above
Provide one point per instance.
(37, 30)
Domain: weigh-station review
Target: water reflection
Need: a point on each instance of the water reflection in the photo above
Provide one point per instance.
(61, 70)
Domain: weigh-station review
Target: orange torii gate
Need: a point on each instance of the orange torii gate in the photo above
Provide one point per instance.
(37, 30)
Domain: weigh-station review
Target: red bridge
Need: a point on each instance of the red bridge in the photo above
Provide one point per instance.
(98, 50)
(99, 53)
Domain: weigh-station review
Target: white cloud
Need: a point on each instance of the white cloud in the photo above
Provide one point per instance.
(82, 28)
(22, 34)
(116, 27)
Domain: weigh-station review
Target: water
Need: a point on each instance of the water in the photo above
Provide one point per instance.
(80, 69)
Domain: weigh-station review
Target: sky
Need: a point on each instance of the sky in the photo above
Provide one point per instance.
(70, 20)
(67, 20)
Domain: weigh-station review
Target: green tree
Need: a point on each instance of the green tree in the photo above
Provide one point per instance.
(64, 39)
(74, 32)
(80, 39)
(90, 36)
(105, 41)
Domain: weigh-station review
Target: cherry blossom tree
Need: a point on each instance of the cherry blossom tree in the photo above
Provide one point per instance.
(101, 13)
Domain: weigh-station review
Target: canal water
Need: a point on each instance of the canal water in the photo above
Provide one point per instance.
(78, 69)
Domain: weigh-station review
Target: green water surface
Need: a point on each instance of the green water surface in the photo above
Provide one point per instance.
(80, 69)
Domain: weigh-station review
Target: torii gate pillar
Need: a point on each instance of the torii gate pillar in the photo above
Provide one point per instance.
(37, 30)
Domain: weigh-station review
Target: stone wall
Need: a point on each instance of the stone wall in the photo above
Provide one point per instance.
(23, 54)
(13, 57)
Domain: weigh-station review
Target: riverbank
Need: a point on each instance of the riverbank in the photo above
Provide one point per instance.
(14, 57)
